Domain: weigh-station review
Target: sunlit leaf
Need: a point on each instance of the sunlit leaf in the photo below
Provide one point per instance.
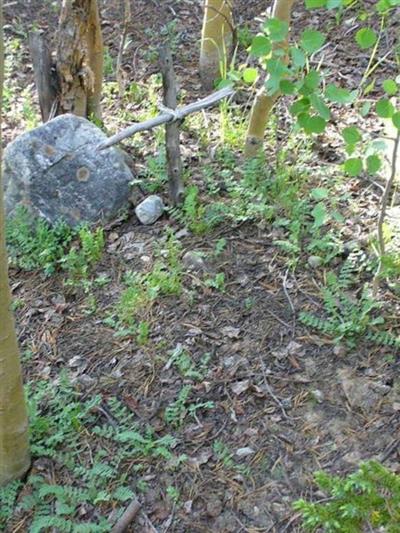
(250, 75)
(374, 163)
(277, 29)
(353, 166)
(260, 46)
(396, 120)
(320, 106)
(366, 38)
(340, 95)
(315, 4)
(351, 135)
(312, 40)
(298, 57)
(390, 87)
(384, 108)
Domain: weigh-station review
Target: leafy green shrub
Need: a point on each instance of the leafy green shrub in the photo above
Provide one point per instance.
(366, 499)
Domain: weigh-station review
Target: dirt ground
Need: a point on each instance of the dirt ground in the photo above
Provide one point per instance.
(287, 401)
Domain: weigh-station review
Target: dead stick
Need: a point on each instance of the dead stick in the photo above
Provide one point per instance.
(169, 115)
(126, 519)
(172, 143)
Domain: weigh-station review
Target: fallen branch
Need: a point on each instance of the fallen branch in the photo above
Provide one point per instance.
(128, 516)
(168, 115)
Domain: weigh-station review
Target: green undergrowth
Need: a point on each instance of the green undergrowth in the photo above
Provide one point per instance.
(367, 500)
(351, 313)
(129, 315)
(35, 245)
(97, 453)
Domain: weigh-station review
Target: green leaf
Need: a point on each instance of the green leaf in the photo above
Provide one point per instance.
(320, 193)
(250, 75)
(320, 215)
(340, 95)
(276, 70)
(351, 135)
(384, 108)
(316, 124)
(334, 4)
(260, 46)
(396, 120)
(374, 163)
(353, 166)
(365, 109)
(366, 38)
(382, 6)
(287, 87)
(312, 40)
(312, 80)
(319, 106)
(311, 123)
(315, 4)
(298, 57)
(390, 87)
(300, 106)
(277, 29)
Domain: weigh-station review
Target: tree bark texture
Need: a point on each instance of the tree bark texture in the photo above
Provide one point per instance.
(45, 78)
(216, 41)
(14, 448)
(80, 58)
(264, 103)
(173, 149)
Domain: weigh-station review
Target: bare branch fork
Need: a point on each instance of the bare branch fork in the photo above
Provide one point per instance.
(168, 115)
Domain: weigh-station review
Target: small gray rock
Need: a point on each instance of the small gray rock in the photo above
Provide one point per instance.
(315, 261)
(193, 260)
(150, 210)
(56, 172)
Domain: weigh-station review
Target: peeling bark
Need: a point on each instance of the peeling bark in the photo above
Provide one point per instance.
(80, 58)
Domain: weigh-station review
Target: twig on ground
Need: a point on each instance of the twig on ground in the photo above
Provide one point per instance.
(126, 519)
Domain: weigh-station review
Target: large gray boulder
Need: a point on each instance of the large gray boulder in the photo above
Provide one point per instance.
(55, 171)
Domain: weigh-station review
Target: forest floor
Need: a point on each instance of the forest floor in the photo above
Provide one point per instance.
(231, 401)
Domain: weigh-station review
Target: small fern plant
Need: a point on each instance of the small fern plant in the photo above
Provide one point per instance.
(363, 501)
(349, 318)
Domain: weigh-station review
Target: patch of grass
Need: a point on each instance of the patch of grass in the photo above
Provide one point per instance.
(165, 279)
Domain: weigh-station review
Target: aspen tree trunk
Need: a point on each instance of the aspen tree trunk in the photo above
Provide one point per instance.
(96, 59)
(14, 448)
(264, 103)
(216, 40)
(80, 58)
